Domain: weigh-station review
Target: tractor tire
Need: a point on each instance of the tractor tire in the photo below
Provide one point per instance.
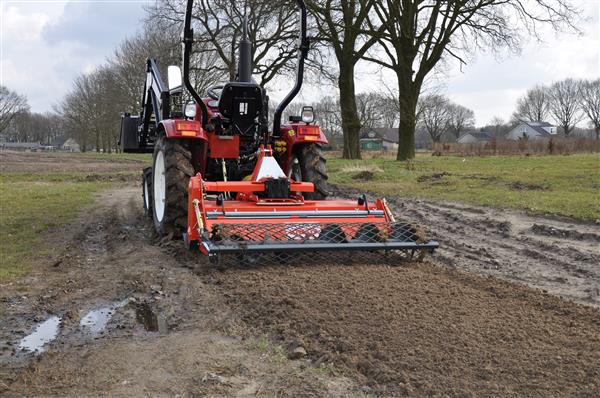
(147, 191)
(171, 172)
(312, 167)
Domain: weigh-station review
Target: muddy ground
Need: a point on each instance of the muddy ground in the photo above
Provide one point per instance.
(168, 324)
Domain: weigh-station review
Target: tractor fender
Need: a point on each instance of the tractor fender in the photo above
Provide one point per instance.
(182, 128)
(293, 135)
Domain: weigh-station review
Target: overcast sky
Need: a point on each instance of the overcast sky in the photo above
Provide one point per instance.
(45, 44)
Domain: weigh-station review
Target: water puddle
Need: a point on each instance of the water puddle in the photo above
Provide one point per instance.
(152, 321)
(44, 333)
(95, 321)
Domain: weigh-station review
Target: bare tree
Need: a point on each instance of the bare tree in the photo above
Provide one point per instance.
(434, 115)
(78, 109)
(327, 111)
(565, 105)
(344, 26)
(590, 102)
(420, 33)
(459, 118)
(156, 40)
(11, 104)
(533, 106)
(218, 29)
(369, 111)
(498, 127)
(34, 127)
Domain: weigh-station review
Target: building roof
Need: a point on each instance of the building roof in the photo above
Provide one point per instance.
(539, 127)
(59, 141)
(389, 134)
(480, 135)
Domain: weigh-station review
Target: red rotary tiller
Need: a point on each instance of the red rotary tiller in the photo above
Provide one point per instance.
(269, 219)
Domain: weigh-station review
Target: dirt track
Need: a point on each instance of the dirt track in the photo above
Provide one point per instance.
(416, 329)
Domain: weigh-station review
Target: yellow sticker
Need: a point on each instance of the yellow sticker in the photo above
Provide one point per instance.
(310, 138)
(291, 133)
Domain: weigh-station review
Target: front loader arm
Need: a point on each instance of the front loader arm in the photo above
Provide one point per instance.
(155, 98)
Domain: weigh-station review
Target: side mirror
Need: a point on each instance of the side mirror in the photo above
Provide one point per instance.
(174, 77)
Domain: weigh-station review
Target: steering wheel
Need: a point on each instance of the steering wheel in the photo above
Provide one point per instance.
(214, 92)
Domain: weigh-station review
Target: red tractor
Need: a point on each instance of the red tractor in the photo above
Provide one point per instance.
(228, 184)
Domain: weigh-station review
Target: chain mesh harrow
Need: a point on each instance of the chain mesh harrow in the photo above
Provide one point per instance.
(300, 243)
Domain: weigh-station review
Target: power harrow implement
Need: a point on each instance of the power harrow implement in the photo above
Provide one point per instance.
(242, 193)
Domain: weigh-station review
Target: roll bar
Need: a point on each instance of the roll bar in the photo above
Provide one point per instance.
(188, 40)
(245, 70)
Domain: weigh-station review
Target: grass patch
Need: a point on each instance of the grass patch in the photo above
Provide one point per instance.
(563, 185)
(32, 204)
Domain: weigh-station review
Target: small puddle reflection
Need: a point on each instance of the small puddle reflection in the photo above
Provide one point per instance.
(152, 321)
(96, 320)
(44, 333)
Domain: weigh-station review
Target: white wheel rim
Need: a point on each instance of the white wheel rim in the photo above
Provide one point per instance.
(159, 186)
(146, 202)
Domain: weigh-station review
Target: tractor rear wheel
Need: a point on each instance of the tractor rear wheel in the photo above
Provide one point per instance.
(171, 172)
(311, 167)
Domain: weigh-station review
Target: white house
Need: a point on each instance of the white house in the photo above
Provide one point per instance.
(531, 130)
(479, 136)
(71, 145)
(386, 137)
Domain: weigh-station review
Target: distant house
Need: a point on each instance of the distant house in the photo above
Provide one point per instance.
(531, 130)
(479, 136)
(369, 141)
(20, 146)
(70, 145)
(379, 138)
(59, 141)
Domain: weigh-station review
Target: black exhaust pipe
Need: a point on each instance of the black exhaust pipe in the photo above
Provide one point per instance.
(245, 56)
(302, 54)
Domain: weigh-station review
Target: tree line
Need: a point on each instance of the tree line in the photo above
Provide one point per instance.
(566, 102)
(409, 38)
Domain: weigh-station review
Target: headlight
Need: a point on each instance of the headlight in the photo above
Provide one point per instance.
(308, 114)
(190, 110)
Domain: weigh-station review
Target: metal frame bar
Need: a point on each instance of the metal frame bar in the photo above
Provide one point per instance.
(211, 215)
(290, 247)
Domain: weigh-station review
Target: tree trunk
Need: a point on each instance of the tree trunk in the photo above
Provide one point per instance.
(597, 129)
(350, 120)
(408, 96)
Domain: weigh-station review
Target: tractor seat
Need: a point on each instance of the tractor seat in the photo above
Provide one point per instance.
(240, 104)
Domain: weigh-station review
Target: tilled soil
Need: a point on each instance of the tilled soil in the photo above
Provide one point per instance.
(559, 255)
(422, 330)
(444, 327)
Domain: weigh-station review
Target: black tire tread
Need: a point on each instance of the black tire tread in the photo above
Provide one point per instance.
(313, 166)
(179, 169)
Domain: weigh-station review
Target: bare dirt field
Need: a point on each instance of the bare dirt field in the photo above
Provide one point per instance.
(143, 317)
(23, 162)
